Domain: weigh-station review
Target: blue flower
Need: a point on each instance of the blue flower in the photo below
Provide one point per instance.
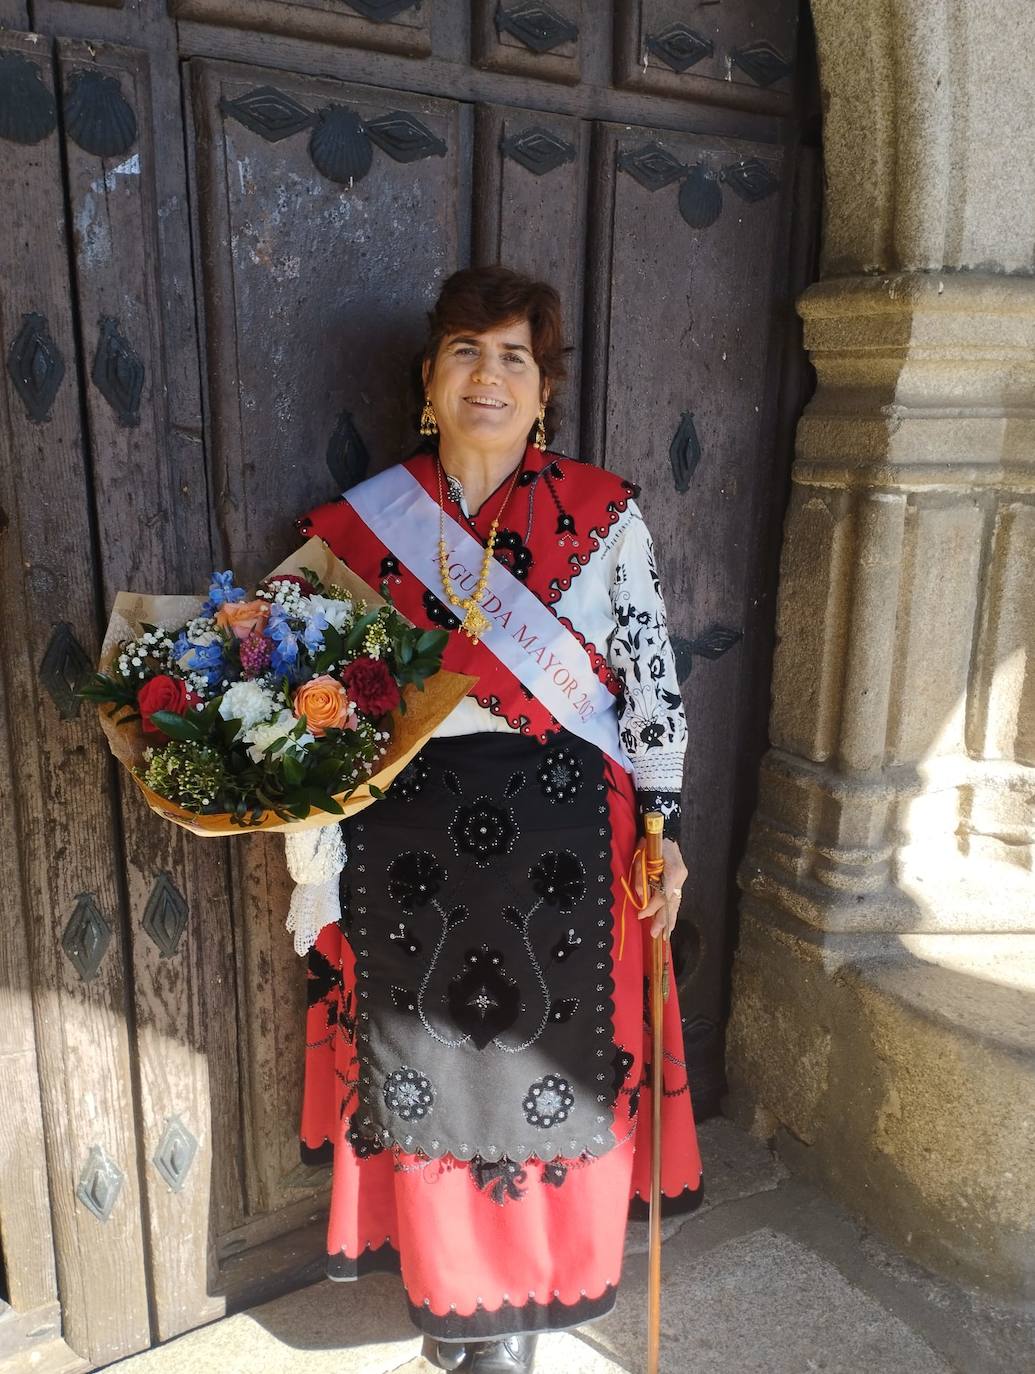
(221, 589)
(207, 659)
(312, 636)
(284, 659)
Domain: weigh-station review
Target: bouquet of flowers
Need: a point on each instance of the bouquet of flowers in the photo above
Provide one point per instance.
(284, 710)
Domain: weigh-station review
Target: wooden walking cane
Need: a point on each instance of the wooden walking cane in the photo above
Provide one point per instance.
(653, 822)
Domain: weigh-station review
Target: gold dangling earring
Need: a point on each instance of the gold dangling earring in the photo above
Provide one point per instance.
(540, 433)
(428, 423)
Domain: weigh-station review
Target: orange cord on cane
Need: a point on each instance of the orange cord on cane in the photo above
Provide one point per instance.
(649, 870)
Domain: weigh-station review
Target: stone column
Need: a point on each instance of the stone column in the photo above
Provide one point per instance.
(883, 1023)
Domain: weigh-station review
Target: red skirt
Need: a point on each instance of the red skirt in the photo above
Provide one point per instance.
(486, 1243)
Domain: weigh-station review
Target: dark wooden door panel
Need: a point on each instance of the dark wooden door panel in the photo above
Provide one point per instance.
(74, 912)
(181, 938)
(678, 349)
(314, 292)
(729, 51)
(399, 26)
(322, 247)
(530, 213)
(526, 38)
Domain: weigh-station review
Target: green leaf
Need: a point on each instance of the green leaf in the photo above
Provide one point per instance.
(176, 727)
(359, 629)
(375, 791)
(294, 772)
(323, 801)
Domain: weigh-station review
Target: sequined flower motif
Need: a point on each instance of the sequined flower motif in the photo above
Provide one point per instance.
(362, 1146)
(389, 566)
(560, 774)
(558, 878)
(409, 782)
(483, 830)
(438, 612)
(414, 878)
(519, 555)
(408, 1094)
(500, 1179)
(482, 1000)
(549, 1101)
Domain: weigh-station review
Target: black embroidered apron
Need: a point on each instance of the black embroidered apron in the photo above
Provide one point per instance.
(479, 913)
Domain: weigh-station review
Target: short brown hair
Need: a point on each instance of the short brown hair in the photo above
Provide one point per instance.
(479, 298)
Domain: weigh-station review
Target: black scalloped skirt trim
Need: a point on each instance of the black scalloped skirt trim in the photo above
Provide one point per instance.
(383, 1260)
(316, 1155)
(687, 1201)
(509, 1320)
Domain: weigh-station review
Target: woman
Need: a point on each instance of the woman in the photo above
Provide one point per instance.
(477, 1033)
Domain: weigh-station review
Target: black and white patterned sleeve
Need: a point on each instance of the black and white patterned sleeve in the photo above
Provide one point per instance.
(651, 719)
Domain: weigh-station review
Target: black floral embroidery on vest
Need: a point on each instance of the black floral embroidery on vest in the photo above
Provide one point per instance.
(519, 555)
(362, 1146)
(389, 566)
(566, 946)
(483, 1001)
(560, 774)
(404, 937)
(414, 878)
(500, 1180)
(409, 1094)
(549, 1101)
(409, 782)
(554, 1174)
(483, 830)
(438, 612)
(559, 879)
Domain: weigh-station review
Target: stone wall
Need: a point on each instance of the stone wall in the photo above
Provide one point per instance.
(883, 1027)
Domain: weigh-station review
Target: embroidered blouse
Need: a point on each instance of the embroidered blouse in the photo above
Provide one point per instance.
(617, 603)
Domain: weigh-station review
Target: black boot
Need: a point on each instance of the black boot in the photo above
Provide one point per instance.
(511, 1355)
(444, 1354)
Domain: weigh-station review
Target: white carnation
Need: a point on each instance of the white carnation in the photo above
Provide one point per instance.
(262, 737)
(249, 702)
(338, 613)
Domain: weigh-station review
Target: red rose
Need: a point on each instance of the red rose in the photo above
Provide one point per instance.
(162, 693)
(371, 686)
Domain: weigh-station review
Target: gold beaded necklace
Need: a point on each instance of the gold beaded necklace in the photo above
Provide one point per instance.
(475, 622)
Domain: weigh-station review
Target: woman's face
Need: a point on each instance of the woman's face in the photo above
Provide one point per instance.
(485, 388)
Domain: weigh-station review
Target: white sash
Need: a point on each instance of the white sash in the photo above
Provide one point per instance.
(526, 637)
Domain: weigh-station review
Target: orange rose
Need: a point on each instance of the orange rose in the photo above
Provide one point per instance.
(325, 704)
(243, 617)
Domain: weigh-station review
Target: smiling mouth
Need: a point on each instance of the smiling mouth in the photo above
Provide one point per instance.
(485, 404)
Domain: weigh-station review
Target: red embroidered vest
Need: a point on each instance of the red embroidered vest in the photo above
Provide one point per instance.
(558, 512)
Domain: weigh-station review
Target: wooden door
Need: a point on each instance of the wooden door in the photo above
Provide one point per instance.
(225, 221)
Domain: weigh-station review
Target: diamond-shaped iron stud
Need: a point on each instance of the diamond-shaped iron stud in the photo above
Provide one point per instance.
(86, 937)
(118, 373)
(652, 166)
(100, 1183)
(403, 137)
(762, 63)
(36, 366)
(175, 1153)
(679, 47)
(63, 669)
(538, 150)
(165, 915)
(270, 113)
(539, 27)
(684, 452)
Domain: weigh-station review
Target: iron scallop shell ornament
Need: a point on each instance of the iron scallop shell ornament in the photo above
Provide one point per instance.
(97, 115)
(339, 145)
(27, 110)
